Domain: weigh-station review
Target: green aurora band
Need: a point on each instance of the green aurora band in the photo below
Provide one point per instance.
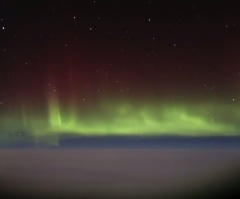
(122, 118)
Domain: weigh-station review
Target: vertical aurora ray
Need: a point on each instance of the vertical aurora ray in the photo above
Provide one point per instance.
(54, 112)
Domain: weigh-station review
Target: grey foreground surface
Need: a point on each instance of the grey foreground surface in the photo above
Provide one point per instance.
(114, 171)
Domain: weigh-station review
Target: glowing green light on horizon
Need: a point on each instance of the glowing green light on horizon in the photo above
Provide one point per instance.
(126, 119)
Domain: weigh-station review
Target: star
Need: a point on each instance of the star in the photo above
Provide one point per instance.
(3, 28)
(212, 87)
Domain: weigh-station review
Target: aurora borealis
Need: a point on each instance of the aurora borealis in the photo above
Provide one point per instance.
(119, 99)
(118, 68)
(125, 119)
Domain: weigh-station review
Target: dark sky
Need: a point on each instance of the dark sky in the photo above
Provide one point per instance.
(120, 48)
(83, 52)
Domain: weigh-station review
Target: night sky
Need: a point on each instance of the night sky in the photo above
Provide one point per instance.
(119, 67)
